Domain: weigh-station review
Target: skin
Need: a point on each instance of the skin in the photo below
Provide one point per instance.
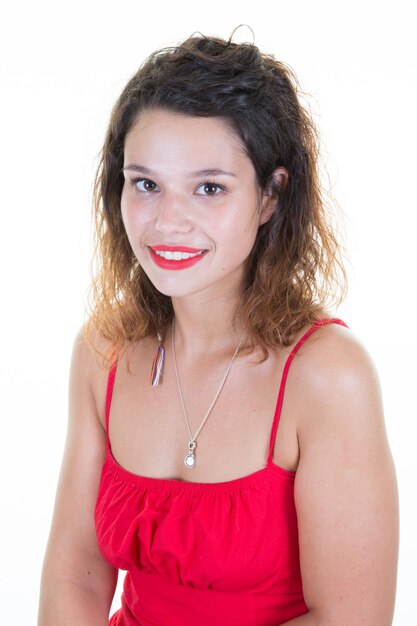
(172, 206)
(332, 433)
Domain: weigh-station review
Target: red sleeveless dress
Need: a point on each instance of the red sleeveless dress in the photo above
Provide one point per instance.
(203, 554)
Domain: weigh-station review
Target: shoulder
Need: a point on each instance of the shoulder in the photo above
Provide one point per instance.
(342, 397)
(93, 357)
(90, 351)
(90, 367)
(335, 354)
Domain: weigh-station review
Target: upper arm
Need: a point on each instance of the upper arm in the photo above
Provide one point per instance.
(72, 552)
(346, 494)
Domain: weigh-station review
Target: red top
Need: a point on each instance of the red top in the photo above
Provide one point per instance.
(199, 554)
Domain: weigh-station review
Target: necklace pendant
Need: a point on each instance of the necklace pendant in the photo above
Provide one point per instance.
(190, 460)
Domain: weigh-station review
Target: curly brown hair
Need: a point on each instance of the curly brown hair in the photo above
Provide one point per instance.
(295, 269)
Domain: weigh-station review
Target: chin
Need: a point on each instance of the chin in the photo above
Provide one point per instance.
(173, 288)
(176, 292)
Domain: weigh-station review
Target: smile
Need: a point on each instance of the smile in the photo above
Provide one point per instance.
(175, 257)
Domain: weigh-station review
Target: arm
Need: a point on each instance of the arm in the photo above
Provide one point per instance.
(346, 494)
(77, 584)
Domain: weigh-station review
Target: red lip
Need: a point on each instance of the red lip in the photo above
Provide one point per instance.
(170, 264)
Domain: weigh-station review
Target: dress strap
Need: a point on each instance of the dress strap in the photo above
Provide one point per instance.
(110, 385)
(304, 338)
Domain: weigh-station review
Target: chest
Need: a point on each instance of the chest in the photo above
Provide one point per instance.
(149, 434)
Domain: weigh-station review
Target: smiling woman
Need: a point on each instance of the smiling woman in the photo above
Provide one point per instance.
(217, 264)
(253, 99)
(178, 210)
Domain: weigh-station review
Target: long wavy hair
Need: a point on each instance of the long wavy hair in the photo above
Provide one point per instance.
(295, 269)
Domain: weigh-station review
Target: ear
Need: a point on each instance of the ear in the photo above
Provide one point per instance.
(270, 196)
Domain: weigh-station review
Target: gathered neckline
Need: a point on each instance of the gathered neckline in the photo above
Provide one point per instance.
(176, 484)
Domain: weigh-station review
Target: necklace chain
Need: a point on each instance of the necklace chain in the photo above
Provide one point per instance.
(190, 460)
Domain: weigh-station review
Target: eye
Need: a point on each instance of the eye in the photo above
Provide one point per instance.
(210, 189)
(144, 184)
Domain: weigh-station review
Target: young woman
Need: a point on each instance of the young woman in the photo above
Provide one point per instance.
(226, 442)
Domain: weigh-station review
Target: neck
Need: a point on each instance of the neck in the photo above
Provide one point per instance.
(206, 326)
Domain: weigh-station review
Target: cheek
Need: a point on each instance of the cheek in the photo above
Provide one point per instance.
(126, 221)
(243, 222)
(132, 217)
(132, 230)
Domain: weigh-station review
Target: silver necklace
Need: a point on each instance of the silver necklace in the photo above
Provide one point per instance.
(190, 459)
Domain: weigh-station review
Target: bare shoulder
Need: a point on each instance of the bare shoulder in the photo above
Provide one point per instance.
(341, 385)
(334, 350)
(89, 370)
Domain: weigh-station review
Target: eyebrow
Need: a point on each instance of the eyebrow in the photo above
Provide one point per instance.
(215, 171)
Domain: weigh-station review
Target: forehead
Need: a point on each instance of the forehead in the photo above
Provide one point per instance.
(161, 135)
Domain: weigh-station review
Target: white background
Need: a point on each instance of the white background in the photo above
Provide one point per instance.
(62, 67)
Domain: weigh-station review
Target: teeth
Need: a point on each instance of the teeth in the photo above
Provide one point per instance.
(176, 256)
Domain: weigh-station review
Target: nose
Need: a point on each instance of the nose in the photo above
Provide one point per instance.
(172, 215)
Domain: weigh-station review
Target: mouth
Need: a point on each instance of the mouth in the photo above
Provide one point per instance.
(175, 257)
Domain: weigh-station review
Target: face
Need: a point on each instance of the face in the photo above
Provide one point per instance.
(190, 203)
